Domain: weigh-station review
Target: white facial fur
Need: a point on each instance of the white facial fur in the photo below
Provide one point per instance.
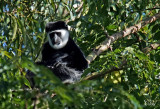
(64, 37)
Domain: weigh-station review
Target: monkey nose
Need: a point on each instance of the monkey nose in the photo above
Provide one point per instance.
(56, 39)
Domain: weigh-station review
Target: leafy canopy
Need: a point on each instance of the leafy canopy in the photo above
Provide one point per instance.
(128, 73)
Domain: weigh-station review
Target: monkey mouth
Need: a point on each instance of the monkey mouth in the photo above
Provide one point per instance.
(57, 41)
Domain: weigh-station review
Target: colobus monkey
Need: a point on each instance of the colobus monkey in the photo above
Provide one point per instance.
(61, 54)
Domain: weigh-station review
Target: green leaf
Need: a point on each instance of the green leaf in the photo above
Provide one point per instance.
(141, 56)
(157, 36)
(142, 35)
(111, 27)
(130, 49)
(134, 101)
(26, 82)
(71, 14)
(64, 93)
(5, 53)
(155, 28)
(14, 27)
(23, 30)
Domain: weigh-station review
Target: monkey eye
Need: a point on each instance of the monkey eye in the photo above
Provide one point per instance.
(53, 33)
(58, 33)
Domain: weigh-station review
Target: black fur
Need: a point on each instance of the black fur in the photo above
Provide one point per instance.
(55, 26)
(66, 63)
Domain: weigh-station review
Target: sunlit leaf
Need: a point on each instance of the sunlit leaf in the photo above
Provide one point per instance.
(14, 27)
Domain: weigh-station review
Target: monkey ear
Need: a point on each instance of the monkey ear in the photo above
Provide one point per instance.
(66, 26)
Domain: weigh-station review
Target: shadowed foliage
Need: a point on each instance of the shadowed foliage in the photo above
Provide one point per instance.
(125, 75)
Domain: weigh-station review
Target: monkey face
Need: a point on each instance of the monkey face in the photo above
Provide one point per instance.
(55, 38)
(57, 33)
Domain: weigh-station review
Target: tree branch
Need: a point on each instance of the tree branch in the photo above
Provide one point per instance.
(151, 47)
(98, 74)
(106, 43)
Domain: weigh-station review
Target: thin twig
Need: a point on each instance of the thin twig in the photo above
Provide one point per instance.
(97, 74)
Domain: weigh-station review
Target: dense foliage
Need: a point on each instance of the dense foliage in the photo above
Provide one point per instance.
(132, 82)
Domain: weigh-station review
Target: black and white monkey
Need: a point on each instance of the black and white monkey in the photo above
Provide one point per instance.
(61, 54)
